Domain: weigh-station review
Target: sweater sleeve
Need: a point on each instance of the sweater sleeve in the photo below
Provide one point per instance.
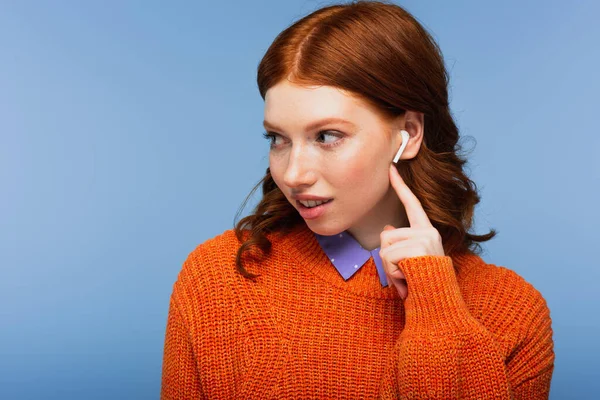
(180, 378)
(445, 353)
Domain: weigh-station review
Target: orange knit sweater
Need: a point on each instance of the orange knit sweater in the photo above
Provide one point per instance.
(467, 330)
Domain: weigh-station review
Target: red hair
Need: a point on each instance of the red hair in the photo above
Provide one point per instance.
(380, 53)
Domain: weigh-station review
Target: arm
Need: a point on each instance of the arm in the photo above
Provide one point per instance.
(444, 352)
(531, 364)
(180, 378)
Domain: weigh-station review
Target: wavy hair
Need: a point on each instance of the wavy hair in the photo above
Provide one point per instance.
(379, 52)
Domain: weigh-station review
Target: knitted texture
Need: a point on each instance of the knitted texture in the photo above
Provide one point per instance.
(467, 330)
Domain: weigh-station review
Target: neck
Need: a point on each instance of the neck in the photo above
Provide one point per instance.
(390, 211)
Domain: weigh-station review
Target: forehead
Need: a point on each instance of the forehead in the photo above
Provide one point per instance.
(286, 99)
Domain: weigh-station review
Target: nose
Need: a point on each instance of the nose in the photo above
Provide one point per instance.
(300, 168)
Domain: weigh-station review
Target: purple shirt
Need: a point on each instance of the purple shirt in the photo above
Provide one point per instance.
(348, 256)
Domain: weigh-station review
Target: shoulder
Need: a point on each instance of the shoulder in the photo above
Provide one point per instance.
(501, 297)
(216, 248)
(207, 269)
(212, 257)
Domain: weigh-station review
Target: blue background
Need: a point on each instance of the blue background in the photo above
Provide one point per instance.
(131, 133)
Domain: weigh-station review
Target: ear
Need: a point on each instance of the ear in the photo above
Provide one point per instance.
(414, 123)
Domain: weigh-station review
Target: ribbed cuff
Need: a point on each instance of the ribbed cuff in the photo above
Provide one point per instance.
(434, 302)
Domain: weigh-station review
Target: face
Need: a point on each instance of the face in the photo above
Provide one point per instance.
(344, 160)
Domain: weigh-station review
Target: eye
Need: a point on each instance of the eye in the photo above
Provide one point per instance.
(331, 134)
(271, 136)
(336, 138)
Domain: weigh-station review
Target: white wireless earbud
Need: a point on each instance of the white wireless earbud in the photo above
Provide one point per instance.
(405, 137)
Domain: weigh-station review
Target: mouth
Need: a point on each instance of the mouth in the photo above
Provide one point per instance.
(321, 202)
(313, 212)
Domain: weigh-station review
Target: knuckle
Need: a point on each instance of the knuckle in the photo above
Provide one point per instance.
(382, 236)
(435, 234)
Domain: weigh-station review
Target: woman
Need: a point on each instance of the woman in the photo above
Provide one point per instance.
(355, 276)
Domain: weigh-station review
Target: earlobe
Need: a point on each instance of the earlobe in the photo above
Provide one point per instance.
(405, 137)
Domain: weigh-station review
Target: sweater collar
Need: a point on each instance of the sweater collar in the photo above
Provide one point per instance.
(302, 248)
(348, 256)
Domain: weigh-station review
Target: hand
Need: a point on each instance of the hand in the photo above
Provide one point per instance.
(420, 239)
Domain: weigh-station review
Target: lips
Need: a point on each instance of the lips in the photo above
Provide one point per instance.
(306, 197)
(313, 212)
(313, 203)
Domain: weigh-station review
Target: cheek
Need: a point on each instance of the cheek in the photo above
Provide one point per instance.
(276, 172)
(360, 175)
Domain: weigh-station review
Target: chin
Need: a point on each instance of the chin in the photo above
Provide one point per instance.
(324, 229)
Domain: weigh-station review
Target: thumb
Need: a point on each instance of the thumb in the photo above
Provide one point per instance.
(388, 228)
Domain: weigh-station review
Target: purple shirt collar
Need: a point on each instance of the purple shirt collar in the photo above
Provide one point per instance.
(348, 256)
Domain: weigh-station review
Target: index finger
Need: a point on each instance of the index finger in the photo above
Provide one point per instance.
(417, 217)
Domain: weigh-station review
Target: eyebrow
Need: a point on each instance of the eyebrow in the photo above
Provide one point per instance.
(314, 125)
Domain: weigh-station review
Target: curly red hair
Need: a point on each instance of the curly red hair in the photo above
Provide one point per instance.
(380, 53)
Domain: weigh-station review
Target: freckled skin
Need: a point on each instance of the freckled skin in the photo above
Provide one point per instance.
(355, 173)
